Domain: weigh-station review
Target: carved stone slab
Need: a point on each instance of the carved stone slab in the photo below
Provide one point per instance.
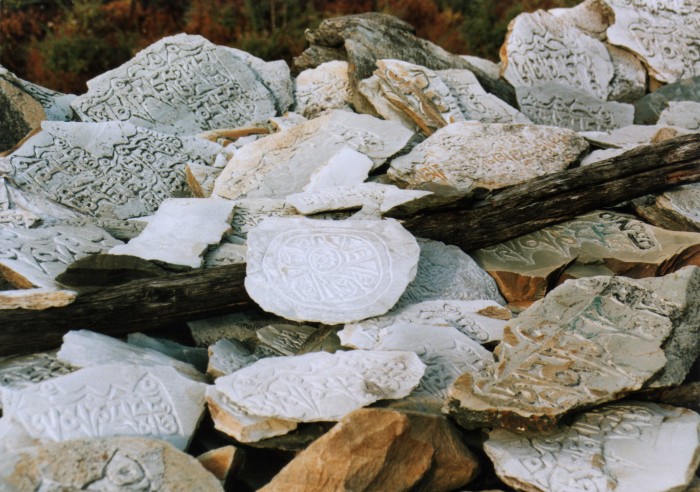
(110, 400)
(469, 156)
(237, 326)
(562, 106)
(228, 356)
(200, 179)
(181, 231)
(625, 446)
(677, 209)
(482, 321)
(263, 168)
(588, 342)
(320, 386)
(325, 87)
(685, 114)
(35, 257)
(22, 371)
(541, 48)
(115, 464)
(663, 34)
(648, 108)
(447, 272)
(106, 169)
(347, 167)
(20, 114)
(196, 356)
(181, 84)
(328, 271)
(630, 80)
(286, 339)
(249, 212)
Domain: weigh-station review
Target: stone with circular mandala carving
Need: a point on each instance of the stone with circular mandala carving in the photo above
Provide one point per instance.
(329, 271)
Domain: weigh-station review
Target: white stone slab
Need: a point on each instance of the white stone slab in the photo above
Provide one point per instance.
(371, 90)
(228, 356)
(328, 271)
(110, 400)
(196, 356)
(181, 231)
(685, 114)
(325, 87)
(200, 179)
(181, 84)
(249, 212)
(346, 167)
(320, 386)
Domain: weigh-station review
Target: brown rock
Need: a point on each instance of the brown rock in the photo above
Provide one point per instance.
(222, 462)
(381, 449)
(20, 114)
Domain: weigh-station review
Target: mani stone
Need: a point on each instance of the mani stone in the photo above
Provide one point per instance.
(469, 156)
(685, 114)
(249, 212)
(287, 339)
(598, 243)
(677, 208)
(108, 464)
(320, 386)
(113, 169)
(590, 341)
(35, 257)
(482, 321)
(663, 34)
(20, 114)
(181, 231)
(36, 299)
(21, 371)
(182, 85)
(329, 271)
(283, 163)
(541, 48)
(201, 178)
(447, 272)
(382, 449)
(648, 108)
(559, 105)
(228, 356)
(625, 447)
(109, 400)
(325, 87)
(237, 326)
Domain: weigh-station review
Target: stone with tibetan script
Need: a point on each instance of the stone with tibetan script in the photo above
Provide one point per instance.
(18, 218)
(665, 35)
(110, 400)
(482, 321)
(287, 339)
(35, 257)
(630, 80)
(593, 17)
(36, 299)
(475, 103)
(677, 208)
(249, 212)
(181, 231)
(20, 114)
(236, 326)
(469, 156)
(329, 271)
(114, 464)
(685, 114)
(325, 87)
(565, 107)
(626, 447)
(182, 85)
(648, 108)
(201, 178)
(84, 348)
(264, 168)
(541, 48)
(226, 254)
(447, 272)
(106, 169)
(25, 370)
(597, 243)
(371, 91)
(590, 341)
(320, 386)
(227, 356)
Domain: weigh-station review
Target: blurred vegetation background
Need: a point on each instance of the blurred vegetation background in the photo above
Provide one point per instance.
(62, 43)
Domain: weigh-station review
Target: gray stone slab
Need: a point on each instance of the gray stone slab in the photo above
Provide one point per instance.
(648, 108)
(325, 87)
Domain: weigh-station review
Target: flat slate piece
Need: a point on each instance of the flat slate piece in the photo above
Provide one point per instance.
(320, 386)
(109, 400)
(626, 447)
(325, 87)
(329, 271)
(112, 170)
(181, 84)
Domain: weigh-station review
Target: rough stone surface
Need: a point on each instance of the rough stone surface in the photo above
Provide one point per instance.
(677, 209)
(228, 356)
(181, 84)
(201, 178)
(468, 156)
(648, 108)
(629, 82)
(20, 113)
(56, 104)
(626, 447)
(226, 254)
(21, 371)
(447, 273)
(381, 449)
(249, 212)
(36, 299)
(181, 231)
(593, 17)
(237, 326)
(347, 167)
(106, 169)
(281, 163)
(541, 48)
(332, 272)
(684, 114)
(109, 464)
(196, 356)
(324, 87)
(617, 328)
(109, 400)
(320, 386)
(562, 106)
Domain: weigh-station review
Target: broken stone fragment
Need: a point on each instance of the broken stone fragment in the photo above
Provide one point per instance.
(99, 401)
(470, 156)
(56, 104)
(320, 386)
(181, 231)
(630, 80)
(20, 114)
(648, 108)
(226, 254)
(325, 87)
(249, 212)
(115, 463)
(677, 209)
(588, 342)
(346, 167)
(626, 447)
(195, 356)
(201, 178)
(219, 91)
(222, 462)
(21, 371)
(36, 299)
(228, 356)
(287, 339)
(685, 114)
(382, 449)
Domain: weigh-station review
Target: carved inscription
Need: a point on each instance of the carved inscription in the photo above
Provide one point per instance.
(19, 372)
(324, 87)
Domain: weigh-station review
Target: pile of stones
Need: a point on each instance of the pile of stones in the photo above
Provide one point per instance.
(565, 359)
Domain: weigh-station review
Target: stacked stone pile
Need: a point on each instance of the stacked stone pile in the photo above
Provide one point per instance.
(563, 359)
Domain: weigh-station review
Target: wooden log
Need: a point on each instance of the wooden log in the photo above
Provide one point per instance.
(152, 303)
